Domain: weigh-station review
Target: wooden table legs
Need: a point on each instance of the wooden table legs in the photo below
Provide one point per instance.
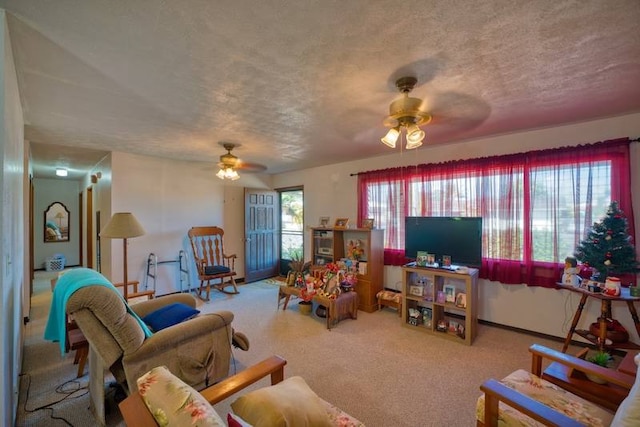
(574, 323)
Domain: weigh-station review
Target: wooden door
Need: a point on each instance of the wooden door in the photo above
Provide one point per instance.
(261, 232)
(80, 232)
(89, 235)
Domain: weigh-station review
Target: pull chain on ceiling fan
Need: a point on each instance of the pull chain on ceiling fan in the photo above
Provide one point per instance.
(406, 113)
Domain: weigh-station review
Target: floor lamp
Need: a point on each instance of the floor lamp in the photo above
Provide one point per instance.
(123, 225)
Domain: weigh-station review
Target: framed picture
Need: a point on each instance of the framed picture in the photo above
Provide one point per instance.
(449, 293)
(417, 291)
(324, 221)
(446, 261)
(421, 259)
(431, 259)
(461, 300)
(341, 223)
(368, 223)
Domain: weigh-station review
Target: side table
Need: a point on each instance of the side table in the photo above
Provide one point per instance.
(346, 304)
(605, 312)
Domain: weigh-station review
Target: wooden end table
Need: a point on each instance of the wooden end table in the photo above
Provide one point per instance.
(605, 313)
(346, 304)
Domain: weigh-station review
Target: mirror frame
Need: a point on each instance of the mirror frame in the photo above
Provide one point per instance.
(57, 219)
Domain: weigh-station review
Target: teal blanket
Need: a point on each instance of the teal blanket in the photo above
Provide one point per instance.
(66, 285)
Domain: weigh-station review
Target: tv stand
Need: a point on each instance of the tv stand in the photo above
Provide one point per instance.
(455, 320)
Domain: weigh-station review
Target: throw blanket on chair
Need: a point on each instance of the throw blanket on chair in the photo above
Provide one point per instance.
(66, 285)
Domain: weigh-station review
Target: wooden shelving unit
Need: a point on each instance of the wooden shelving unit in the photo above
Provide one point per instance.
(420, 289)
(330, 244)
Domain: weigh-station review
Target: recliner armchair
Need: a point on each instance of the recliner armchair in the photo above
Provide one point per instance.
(198, 350)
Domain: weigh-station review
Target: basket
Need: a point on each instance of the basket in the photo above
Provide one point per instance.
(54, 264)
(615, 331)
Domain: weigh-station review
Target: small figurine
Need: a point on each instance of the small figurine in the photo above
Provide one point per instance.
(612, 286)
(571, 270)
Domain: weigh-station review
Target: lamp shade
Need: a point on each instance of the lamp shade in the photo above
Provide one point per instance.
(391, 137)
(122, 225)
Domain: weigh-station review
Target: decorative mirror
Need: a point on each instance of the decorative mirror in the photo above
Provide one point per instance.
(56, 223)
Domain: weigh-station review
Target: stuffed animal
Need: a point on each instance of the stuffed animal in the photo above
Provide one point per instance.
(571, 270)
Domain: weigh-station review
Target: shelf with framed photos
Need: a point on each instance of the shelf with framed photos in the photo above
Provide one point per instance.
(364, 246)
(441, 302)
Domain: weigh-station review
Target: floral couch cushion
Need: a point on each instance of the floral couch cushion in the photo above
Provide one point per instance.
(390, 296)
(549, 394)
(173, 402)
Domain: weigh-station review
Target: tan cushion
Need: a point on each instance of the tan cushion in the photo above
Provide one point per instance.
(172, 402)
(289, 403)
(548, 394)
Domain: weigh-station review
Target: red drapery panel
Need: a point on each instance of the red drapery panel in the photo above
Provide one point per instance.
(536, 206)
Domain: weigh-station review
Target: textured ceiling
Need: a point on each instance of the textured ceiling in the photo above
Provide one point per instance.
(301, 84)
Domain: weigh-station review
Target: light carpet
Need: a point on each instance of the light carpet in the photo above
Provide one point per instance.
(372, 367)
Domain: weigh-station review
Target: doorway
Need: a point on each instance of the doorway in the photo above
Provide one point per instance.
(260, 234)
(291, 226)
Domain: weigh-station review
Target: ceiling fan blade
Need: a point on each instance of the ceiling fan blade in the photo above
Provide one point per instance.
(250, 167)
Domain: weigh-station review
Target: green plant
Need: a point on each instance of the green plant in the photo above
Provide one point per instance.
(601, 358)
(297, 264)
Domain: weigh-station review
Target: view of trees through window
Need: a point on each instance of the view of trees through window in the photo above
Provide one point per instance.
(562, 200)
(292, 224)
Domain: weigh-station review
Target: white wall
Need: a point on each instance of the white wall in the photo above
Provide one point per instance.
(12, 214)
(330, 191)
(168, 197)
(46, 192)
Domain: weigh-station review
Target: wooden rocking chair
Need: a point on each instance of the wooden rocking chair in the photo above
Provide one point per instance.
(211, 261)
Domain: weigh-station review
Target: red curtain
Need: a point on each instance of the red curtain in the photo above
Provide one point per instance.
(515, 195)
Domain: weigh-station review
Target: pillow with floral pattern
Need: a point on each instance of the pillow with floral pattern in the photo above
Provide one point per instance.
(172, 402)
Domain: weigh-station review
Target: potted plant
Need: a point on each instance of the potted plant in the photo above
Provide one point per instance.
(297, 268)
(601, 358)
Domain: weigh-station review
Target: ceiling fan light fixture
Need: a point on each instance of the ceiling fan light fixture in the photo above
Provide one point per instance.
(228, 173)
(411, 145)
(414, 134)
(391, 137)
(406, 113)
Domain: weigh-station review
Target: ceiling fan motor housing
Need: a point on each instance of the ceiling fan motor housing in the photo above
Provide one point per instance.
(406, 110)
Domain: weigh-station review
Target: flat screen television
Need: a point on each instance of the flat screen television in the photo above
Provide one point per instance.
(458, 237)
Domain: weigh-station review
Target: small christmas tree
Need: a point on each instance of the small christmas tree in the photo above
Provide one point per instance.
(607, 248)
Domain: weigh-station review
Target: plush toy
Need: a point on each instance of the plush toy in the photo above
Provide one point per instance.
(571, 270)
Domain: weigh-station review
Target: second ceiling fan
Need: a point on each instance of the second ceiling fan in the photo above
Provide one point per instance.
(230, 164)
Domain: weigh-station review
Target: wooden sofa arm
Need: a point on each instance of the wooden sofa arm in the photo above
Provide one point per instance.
(539, 352)
(496, 392)
(135, 412)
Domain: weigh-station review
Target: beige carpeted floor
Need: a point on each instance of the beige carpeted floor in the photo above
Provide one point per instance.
(373, 368)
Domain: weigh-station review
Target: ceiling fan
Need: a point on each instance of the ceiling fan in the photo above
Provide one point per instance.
(406, 113)
(230, 164)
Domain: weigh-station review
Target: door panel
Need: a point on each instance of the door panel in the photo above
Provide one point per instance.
(261, 234)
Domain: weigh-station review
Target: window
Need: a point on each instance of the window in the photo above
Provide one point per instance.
(291, 226)
(536, 206)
